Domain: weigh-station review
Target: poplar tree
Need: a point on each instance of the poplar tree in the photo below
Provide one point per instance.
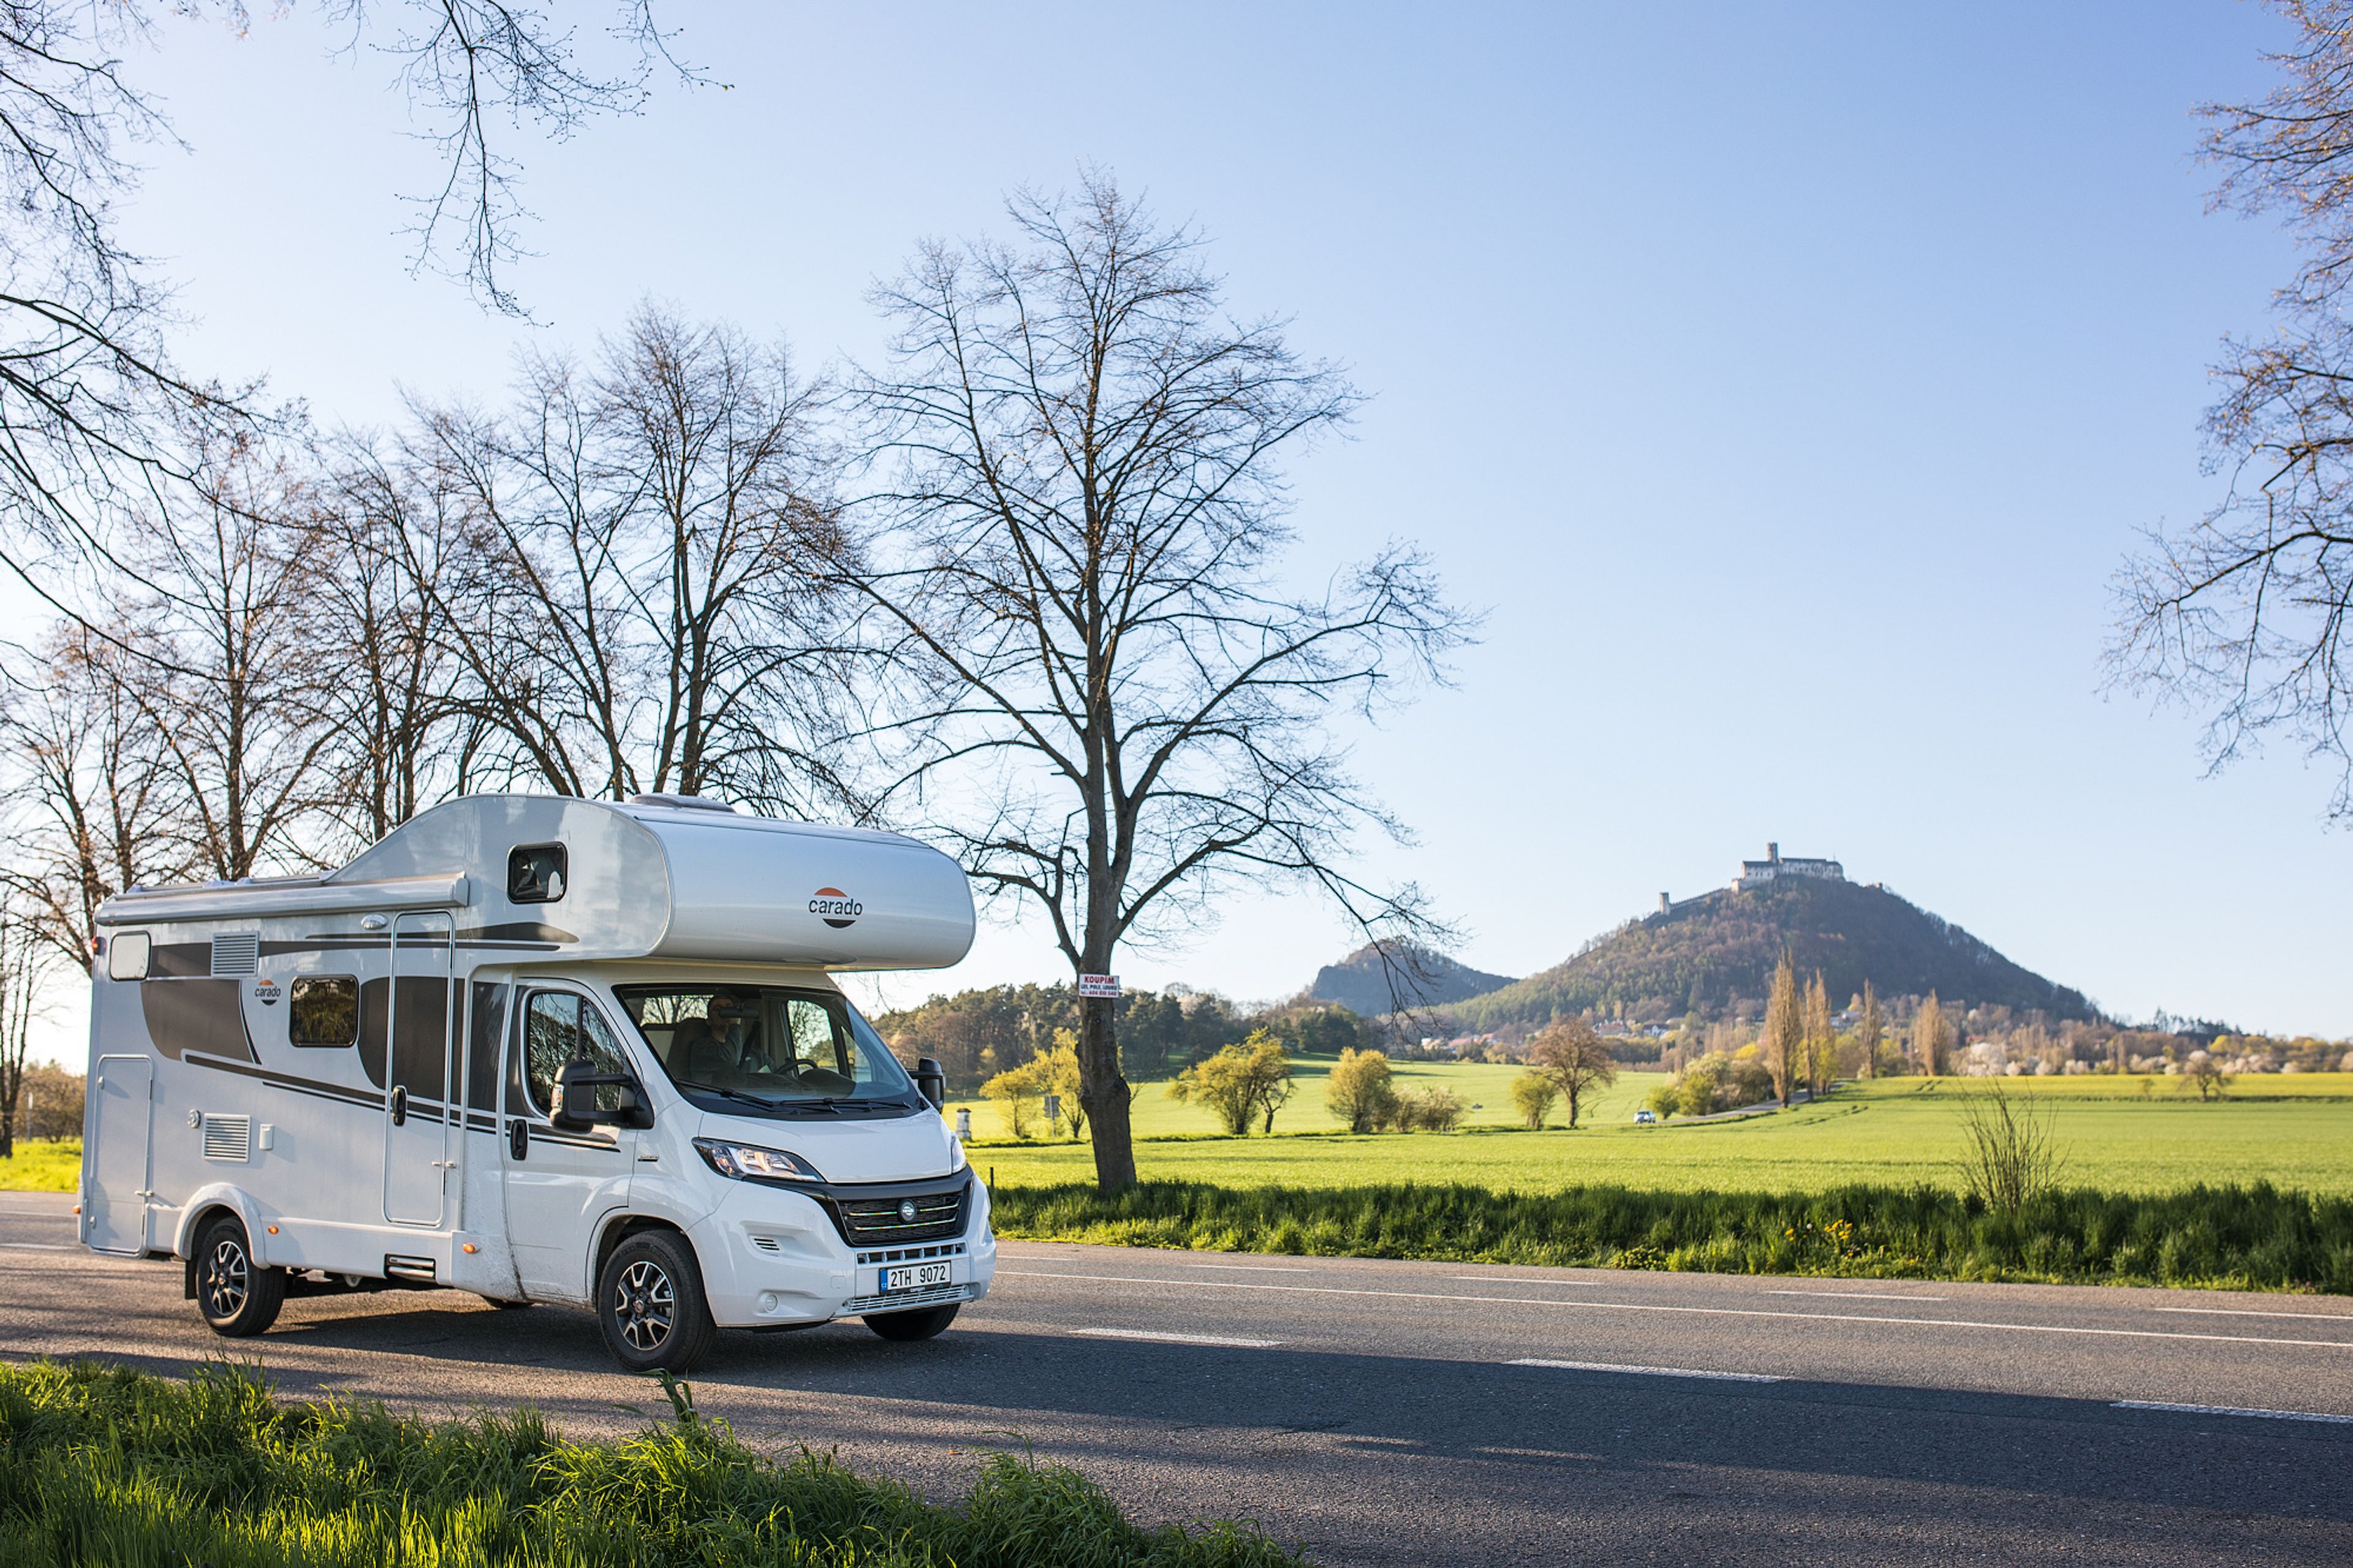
(1873, 1032)
(1784, 1039)
(1928, 1037)
(1821, 1038)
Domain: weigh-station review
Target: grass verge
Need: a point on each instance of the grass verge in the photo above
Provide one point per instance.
(42, 1165)
(2240, 1237)
(101, 1465)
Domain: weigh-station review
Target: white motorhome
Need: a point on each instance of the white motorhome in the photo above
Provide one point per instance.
(542, 1049)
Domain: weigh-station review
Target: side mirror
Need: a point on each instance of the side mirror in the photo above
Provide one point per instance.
(931, 1082)
(576, 1084)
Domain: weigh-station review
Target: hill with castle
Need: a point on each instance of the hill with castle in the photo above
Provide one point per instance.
(1714, 955)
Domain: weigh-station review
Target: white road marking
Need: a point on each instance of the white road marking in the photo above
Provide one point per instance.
(1557, 1284)
(2257, 1312)
(1691, 1312)
(2231, 1410)
(1857, 1295)
(1175, 1339)
(1647, 1371)
(1253, 1268)
(36, 1246)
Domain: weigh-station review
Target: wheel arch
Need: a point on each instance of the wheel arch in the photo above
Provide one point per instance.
(204, 1203)
(621, 1228)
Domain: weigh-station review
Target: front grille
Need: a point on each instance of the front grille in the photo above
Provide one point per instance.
(229, 1137)
(877, 1219)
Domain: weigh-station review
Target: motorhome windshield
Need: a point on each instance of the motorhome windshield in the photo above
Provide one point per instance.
(768, 1048)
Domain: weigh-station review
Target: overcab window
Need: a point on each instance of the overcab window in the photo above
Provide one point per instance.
(323, 1010)
(535, 873)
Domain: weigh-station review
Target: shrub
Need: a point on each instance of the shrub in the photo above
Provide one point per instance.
(2013, 1156)
(1359, 1093)
(1665, 1099)
(1698, 1092)
(1532, 1093)
(1428, 1110)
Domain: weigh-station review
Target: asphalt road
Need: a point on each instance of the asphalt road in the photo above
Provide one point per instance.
(1410, 1413)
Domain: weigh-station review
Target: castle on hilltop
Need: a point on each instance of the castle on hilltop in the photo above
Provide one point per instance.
(1758, 873)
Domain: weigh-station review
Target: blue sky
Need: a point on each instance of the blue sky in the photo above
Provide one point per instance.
(1786, 387)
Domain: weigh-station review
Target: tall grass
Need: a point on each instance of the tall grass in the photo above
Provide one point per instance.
(2239, 1238)
(102, 1464)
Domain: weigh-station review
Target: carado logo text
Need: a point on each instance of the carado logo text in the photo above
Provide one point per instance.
(837, 907)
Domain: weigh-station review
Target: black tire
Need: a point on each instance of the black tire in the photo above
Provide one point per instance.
(238, 1297)
(650, 1306)
(919, 1324)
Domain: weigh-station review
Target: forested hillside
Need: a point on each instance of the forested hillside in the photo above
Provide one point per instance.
(1713, 953)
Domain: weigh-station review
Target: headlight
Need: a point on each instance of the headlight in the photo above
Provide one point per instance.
(750, 1162)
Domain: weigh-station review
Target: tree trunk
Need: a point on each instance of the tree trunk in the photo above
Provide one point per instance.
(1104, 1091)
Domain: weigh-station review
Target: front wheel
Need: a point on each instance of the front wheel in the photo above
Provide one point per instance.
(238, 1296)
(919, 1324)
(650, 1306)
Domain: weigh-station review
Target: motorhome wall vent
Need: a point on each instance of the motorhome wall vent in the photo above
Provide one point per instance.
(237, 954)
(228, 1137)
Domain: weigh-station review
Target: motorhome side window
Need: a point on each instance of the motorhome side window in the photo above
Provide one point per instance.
(536, 873)
(323, 1010)
(560, 1026)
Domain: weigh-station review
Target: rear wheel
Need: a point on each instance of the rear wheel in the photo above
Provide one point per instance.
(650, 1306)
(919, 1324)
(238, 1296)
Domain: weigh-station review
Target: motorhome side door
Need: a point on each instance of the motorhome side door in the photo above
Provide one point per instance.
(421, 1134)
(120, 1164)
(561, 1181)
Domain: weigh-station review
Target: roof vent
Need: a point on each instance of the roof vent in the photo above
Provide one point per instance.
(236, 954)
(685, 803)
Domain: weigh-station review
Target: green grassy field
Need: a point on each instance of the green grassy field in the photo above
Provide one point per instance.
(1895, 1132)
(45, 1166)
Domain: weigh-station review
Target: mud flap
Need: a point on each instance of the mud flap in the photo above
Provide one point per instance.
(188, 1281)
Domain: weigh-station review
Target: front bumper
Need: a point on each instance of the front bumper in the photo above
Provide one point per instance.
(772, 1257)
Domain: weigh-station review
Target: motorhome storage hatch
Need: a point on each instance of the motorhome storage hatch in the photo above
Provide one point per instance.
(542, 1049)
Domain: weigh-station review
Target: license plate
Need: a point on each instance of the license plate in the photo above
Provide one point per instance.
(915, 1277)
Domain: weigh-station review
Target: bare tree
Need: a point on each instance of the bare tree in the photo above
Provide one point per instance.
(23, 958)
(90, 404)
(400, 735)
(646, 596)
(229, 675)
(96, 808)
(1568, 1052)
(1783, 1042)
(2243, 615)
(1121, 713)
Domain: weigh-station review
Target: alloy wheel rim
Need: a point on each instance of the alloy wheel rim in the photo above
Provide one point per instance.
(644, 1304)
(225, 1277)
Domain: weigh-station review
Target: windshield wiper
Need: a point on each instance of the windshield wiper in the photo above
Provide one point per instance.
(728, 1093)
